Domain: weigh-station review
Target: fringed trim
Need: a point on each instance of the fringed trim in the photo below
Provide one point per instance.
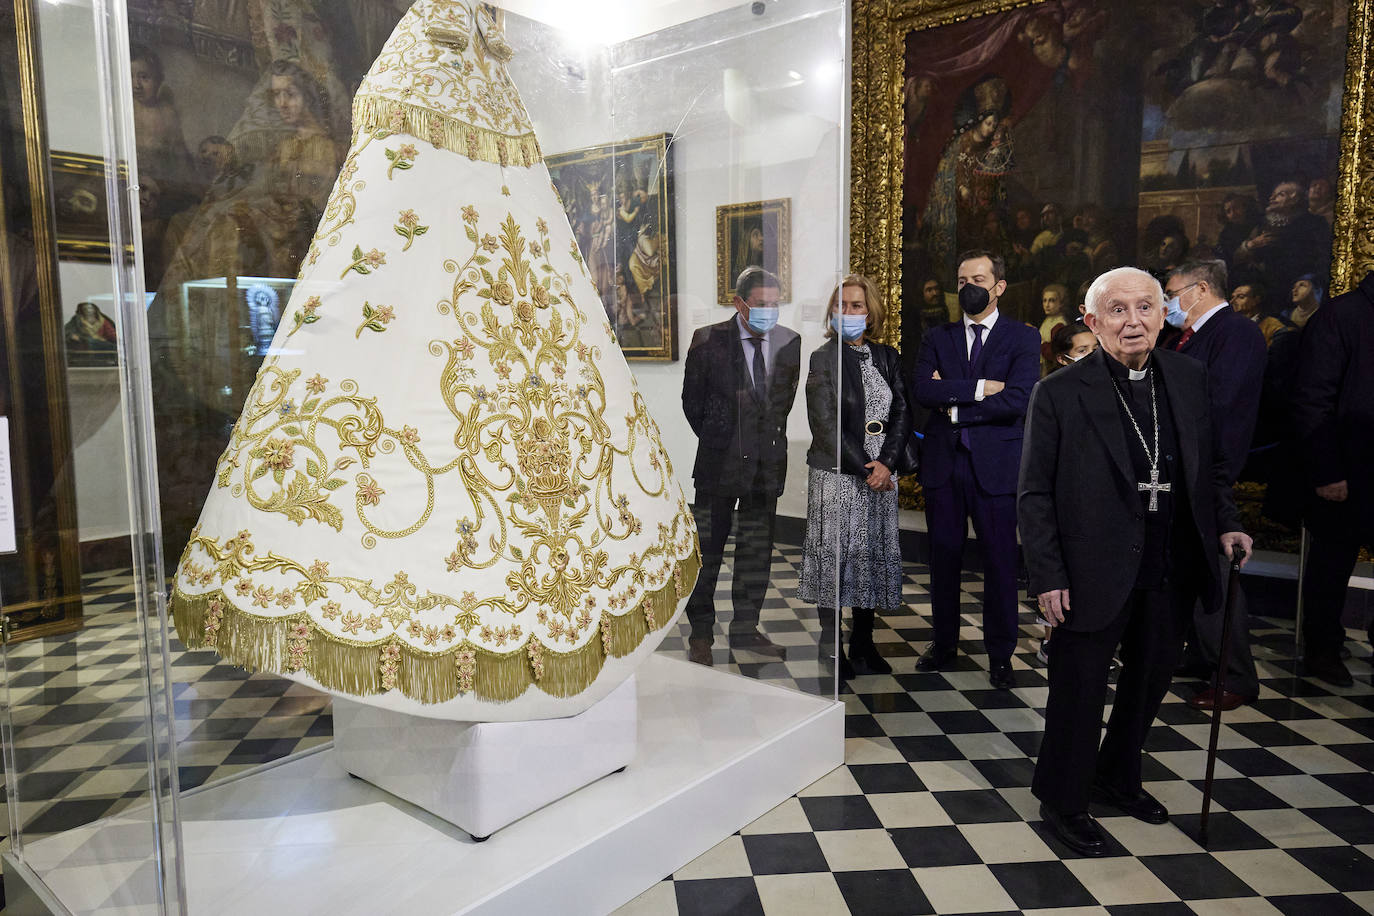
(296, 643)
(379, 112)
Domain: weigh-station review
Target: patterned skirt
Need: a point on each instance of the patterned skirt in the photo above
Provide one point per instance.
(848, 523)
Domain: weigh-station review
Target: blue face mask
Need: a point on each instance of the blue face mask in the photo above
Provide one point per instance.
(850, 327)
(1173, 309)
(762, 318)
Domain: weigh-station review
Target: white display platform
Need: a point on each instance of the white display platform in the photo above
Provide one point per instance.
(481, 776)
(716, 751)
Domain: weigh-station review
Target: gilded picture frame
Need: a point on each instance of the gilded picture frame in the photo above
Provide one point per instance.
(878, 137)
(758, 233)
(619, 202)
(78, 184)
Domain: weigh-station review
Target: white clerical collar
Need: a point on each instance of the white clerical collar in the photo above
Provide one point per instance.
(1136, 375)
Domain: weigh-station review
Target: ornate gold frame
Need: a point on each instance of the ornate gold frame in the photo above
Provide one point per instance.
(725, 284)
(876, 137)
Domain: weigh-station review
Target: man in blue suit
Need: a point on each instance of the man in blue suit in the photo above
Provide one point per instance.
(976, 375)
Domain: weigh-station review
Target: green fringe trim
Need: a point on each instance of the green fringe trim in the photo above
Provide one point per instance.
(354, 667)
(378, 112)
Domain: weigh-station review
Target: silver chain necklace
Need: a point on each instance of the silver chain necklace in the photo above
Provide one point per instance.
(1154, 487)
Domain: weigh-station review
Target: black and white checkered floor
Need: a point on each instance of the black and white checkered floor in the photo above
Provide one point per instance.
(932, 812)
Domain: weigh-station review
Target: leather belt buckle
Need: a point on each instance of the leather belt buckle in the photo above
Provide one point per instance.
(874, 427)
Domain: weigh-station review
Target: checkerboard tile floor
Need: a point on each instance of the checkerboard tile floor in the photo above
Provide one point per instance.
(932, 811)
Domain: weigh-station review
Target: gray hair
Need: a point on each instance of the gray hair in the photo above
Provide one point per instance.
(1211, 272)
(1098, 291)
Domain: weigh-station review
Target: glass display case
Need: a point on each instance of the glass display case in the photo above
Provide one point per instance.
(158, 757)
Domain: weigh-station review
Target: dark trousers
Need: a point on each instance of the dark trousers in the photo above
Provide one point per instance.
(753, 557)
(1150, 632)
(1331, 556)
(1204, 648)
(948, 510)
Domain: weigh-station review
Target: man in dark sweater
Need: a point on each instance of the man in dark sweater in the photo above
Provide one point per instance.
(1233, 350)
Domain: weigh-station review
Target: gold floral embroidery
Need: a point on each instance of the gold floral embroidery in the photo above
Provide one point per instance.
(364, 262)
(306, 314)
(408, 227)
(213, 617)
(298, 646)
(403, 158)
(390, 665)
(375, 318)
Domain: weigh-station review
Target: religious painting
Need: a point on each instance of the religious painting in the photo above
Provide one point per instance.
(619, 201)
(89, 338)
(757, 234)
(78, 184)
(1071, 137)
(241, 114)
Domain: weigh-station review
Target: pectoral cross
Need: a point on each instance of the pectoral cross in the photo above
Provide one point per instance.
(1155, 488)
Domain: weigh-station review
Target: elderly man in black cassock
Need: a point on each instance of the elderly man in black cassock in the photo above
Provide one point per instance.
(1122, 505)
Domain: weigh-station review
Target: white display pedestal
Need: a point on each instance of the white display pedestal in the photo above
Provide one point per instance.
(716, 751)
(482, 776)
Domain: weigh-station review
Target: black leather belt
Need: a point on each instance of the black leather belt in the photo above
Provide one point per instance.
(874, 427)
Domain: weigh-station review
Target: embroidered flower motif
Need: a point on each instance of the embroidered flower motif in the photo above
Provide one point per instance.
(503, 370)
(505, 190)
(490, 243)
(306, 314)
(453, 562)
(331, 610)
(279, 454)
(364, 262)
(466, 661)
(369, 491)
(243, 587)
(398, 119)
(262, 596)
(408, 227)
(647, 606)
(286, 409)
(352, 622)
(542, 226)
(536, 654)
(286, 598)
(469, 214)
(316, 384)
(524, 311)
(374, 623)
(535, 250)
(540, 296)
(404, 157)
(466, 348)
(502, 292)
(606, 636)
(213, 615)
(390, 665)
(297, 646)
(375, 318)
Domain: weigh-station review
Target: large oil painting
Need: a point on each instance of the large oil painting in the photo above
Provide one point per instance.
(1071, 137)
(619, 201)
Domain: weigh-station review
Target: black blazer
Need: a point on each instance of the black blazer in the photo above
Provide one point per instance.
(1011, 354)
(1333, 399)
(739, 435)
(1078, 508)
(1232, 348)
(821, 400)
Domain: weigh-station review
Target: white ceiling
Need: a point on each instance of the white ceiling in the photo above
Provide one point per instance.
(611, 21)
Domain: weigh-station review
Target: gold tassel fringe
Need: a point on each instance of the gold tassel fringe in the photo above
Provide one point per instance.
(378, 112)
(262, 644)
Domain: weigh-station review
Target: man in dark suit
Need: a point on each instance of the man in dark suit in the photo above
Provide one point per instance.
(976, 376)
(737, 390)
(1121, 501)
(1232, 348)
(1333, 409)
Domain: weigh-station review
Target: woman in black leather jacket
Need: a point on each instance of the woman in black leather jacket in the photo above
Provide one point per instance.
(861, 437)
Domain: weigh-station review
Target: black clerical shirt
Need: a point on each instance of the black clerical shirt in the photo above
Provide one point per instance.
(1163, 525)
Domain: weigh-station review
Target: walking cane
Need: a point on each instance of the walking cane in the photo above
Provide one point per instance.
(1218, 682)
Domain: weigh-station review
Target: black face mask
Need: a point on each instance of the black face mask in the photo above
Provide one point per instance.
(973, 299)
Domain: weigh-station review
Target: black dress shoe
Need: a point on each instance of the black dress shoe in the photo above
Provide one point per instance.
(1329, 668)
(1000, 675)
(932, 660)
(1079, 832)
(1140, 805)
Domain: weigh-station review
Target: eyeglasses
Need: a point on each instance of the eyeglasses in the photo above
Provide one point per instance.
(1180, 291)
